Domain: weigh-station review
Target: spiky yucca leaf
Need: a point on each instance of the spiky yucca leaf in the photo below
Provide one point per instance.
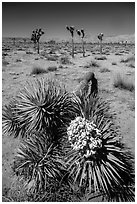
(38, 161)
(109, 170)
(41, 105)
(10, 123)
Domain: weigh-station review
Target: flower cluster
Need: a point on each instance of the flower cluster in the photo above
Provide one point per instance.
(83, 135)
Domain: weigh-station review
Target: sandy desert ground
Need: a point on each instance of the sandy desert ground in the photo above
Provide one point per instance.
(20, 59)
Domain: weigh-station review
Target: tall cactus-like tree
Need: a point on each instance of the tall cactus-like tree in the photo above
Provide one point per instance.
(35, 37)
(100, 37)
(71, 30)
(14, 40)
(81, 33)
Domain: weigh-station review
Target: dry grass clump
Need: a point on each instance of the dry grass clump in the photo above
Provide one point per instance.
(122, 83)
(103, 70)
(38, 70)
(129, 59)
(52, 58)
(29, 52)
(132, 65)
(92, 64)
(101, 58)
(4, 62)
(65, 60)
(52, 68)
(117, 53)
(114, 63)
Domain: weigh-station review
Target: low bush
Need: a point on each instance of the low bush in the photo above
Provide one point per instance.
(122, 83)
(114, 63)
(65, 60)
(101, 58)
(4, 63)
(38, 70)
(52, 69)
(129, 59)
(92, 64)
(104, 70)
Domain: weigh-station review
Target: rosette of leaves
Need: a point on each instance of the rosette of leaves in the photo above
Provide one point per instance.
(40, 105)
(107, 170)
(11, 124)
(38, 161)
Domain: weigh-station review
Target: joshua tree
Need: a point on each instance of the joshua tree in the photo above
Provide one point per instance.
(35, 37)
(71, 29)
(14, 39)
(82, 35)
(100, 37)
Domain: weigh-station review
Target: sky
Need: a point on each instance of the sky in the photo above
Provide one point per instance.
(111, 18)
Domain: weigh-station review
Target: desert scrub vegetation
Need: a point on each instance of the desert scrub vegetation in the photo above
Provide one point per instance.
(38, 70)
(52, 58)
(70, 145)
(5, 62)
(129, 59)
(101, 58)
(65, 60)
(92, 64)
(123, 83)
(114, 63)
(52, 68)
(103, 70)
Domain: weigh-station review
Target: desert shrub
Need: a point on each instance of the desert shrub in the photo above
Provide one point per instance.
(38, 70)
(65, 60)
(103, 70)
(129, 59)
(70, 140)
(123, 83)
(114, 63)
(52, 58)
(132, 65)
(117, 53)
(92, 64)
(18, 60)
(29, 53)
(4, 62)
(101, 58)
(52, 69)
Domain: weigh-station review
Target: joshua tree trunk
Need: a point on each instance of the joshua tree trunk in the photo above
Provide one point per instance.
(101, 47)
(38, 46)
(83, 48)
(72, 47)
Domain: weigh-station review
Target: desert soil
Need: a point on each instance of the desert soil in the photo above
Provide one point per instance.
(17, 72)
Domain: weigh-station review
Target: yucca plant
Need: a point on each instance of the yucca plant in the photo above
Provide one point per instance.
(35, 37)
(98, 162)
(40, 105)
(100, 37)
(71, 30)
(81, 33)
(38, 161)
(71, 138)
